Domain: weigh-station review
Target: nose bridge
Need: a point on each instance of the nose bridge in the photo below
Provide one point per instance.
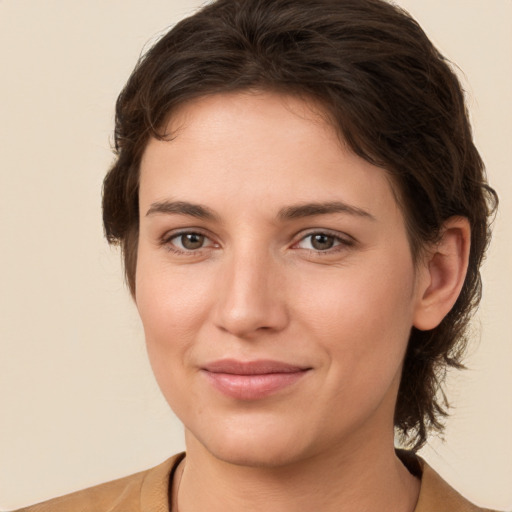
(250, 298)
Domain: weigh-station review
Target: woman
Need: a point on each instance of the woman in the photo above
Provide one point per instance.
(302, 214)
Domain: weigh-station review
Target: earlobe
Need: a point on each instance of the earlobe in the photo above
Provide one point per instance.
(442, 274)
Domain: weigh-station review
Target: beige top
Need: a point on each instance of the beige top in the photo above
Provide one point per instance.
(148, 491)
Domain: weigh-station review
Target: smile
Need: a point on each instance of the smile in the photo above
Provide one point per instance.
(251, 380)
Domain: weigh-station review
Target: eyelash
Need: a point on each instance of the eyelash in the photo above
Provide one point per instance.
(167, 242)
(341, 242)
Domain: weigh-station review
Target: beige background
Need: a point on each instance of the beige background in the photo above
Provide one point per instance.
(78, 404)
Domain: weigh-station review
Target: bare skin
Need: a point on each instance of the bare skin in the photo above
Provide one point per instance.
(263, 238)
(362, 482)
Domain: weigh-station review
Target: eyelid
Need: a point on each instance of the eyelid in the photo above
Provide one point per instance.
(344, 239)
(167, 238)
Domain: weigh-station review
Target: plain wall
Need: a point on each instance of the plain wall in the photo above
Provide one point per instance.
(78, 403)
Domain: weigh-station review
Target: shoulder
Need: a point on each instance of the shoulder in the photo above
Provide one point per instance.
(147, 490)
(436, 495)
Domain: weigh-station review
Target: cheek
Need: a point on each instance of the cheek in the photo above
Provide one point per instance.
(168, 298)
(170, 313)
(362, 315)
(172, 307)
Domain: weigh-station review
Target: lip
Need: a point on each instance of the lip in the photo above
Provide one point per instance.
(252, 380)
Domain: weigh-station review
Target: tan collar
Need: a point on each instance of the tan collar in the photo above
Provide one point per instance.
(156, 486)
(437, 496)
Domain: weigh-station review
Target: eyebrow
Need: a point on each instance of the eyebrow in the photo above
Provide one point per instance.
(182, 208)
(288, 213)
(312, 209)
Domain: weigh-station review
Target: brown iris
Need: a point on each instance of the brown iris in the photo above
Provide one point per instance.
(322, 242)
(192, 241)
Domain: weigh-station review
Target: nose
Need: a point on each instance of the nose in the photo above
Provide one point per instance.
(250, 298)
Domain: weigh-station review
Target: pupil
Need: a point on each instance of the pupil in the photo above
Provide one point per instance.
(322, 242)
(192, 241)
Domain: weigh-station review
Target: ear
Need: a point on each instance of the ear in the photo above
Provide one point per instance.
(442, 274)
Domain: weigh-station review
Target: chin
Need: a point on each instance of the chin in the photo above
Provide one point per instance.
(269, 447)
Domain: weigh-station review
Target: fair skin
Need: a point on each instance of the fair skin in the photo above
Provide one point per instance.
(266, 246)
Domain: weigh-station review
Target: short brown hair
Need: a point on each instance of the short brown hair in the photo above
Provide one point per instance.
(391, 95)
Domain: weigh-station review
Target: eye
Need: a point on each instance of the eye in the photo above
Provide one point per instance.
(322, 242)
(187, 242)
(190, 241)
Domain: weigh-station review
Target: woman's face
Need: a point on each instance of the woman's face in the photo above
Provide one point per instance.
(274, 280)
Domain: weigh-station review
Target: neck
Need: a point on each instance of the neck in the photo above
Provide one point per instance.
(369, 477)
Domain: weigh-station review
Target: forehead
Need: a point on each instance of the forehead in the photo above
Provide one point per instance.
(263, 145)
